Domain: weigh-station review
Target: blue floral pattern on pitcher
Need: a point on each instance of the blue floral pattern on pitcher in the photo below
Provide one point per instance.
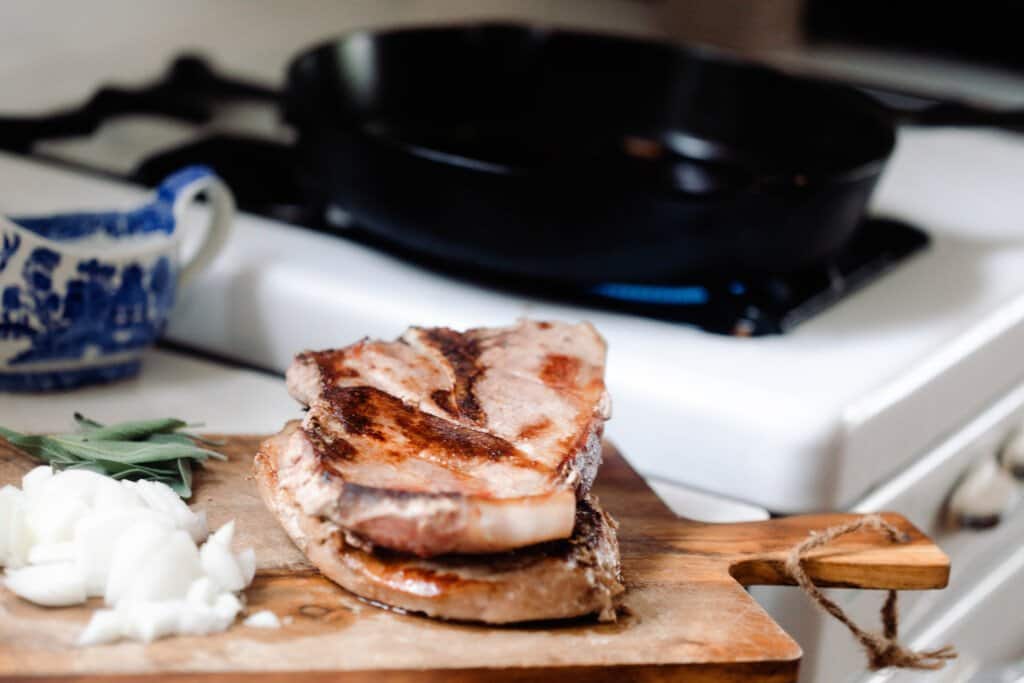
(71, 317)
(108, 307)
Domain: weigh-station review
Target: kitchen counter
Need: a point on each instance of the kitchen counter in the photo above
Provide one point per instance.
(224, 399)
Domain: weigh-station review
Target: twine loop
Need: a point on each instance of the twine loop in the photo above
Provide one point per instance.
(883, 650)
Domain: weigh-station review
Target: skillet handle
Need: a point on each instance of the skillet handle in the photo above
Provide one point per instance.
(913, 109)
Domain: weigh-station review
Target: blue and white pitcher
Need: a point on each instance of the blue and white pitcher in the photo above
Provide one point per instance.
(83, 294)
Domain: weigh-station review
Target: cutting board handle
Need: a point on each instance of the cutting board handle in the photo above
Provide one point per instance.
(864, 559)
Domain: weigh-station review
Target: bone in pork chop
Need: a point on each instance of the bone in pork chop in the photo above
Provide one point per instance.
(554, 580)
(448, 442)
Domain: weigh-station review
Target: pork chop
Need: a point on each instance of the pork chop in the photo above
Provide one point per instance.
(554, 580)
(451, 442)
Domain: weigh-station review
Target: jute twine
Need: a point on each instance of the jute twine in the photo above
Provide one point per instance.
(883, 650)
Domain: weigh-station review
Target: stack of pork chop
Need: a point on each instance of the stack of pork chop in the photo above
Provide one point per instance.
(449, 473)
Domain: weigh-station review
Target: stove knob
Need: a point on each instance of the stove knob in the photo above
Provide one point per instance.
(983, 497)
(1011, 456)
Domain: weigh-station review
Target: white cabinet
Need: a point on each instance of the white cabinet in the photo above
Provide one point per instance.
(987, 625)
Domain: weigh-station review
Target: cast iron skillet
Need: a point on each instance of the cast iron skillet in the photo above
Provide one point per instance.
(576, 157)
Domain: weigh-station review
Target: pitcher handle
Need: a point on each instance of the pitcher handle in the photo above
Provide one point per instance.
(181, 190)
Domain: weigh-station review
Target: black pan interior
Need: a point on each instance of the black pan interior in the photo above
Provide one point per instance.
(523, 98)
(621, 158)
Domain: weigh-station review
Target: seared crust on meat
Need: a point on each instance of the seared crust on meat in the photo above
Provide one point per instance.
(445, 441)
(553, 580)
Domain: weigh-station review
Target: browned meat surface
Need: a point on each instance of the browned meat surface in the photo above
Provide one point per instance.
(558, 579)
(444, 442)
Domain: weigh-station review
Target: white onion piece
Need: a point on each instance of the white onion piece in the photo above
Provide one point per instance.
(52, 585)
(18, 536)
(136, 544)
(198, 528)
(114, 494)
(227, 606)
(147, 621)
(263, 619)
(224, 535)
(45, 553)
(10, 498)
(103, 627)
(161, 497)
(203, 591)
(247, 563)
(96, 537)
(78, 484)
(167, 573)
(52, 520)
(198, 620)
(218, 562)
(35, 478)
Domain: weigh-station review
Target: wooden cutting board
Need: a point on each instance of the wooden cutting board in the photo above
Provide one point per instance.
(686, 612)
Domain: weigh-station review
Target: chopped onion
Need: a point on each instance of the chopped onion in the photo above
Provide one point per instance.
(263, 619)
(114, 494)
(149, 620)
(224, 535)
(17, 540)
(10, 498)
(78, 484)
(247, 563)
(103, 627)
(166, 573)
(219, 564)
(96, 537)
(35, 478)
(197, 527)
(203, 591)
(53, 520)
(198, 620)
(77, 534)
(137, 543)
(160, 497)
(227, 606)
(52, 585)
(45, 553)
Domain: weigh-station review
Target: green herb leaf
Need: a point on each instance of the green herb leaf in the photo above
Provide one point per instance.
(130, 452)
(91, 466)
(134, 431)
(177, 437)
(184, 487)
(203, 440)
(141, 449)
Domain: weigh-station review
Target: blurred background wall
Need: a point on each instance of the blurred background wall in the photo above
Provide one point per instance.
(60, 41)
(69, 47)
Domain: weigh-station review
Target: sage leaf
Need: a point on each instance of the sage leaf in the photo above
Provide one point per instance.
(134, 431)
(141, 449)
(131, 452)
(205, 441)
(176, 437)
(90, 466)
(185, 484)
